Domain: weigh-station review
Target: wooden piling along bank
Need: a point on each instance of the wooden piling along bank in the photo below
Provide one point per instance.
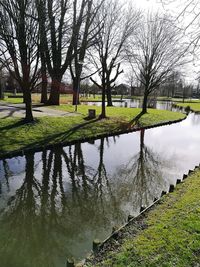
(97, 245)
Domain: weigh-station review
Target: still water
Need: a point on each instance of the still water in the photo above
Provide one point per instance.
(135, 103)
(54, 203)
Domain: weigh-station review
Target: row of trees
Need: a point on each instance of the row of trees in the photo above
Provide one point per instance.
(42, 39)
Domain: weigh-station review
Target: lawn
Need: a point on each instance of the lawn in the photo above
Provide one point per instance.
(15, 100)
(195, 106)
(171, 236)
(152, 117)
(64, 98)
(15, 135)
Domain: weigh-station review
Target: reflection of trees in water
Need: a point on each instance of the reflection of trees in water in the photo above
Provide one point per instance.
(143, 174)
(60, 210)
(46, 216)
(6, 173)
(91, 191)
(18, 220)
(195, 119)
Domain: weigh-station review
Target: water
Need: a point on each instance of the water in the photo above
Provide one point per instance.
(135, 103)
(54, 203)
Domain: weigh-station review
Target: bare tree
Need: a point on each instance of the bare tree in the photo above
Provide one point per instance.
(172, 85)
(119, 23)
(1, 85)
(155, 52)
(86, 39)
(61, 24)
(44, 74)
(19, 45)
(187, 15)
(131, 80)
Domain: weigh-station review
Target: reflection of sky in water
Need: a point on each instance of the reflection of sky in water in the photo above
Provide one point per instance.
(131, 175)
(180, 142)
(135, 103)
(115, 153)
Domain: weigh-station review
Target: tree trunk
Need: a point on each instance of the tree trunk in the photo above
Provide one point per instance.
(54, 98)
(44, 91)
(109, 97)
(103, 105)
(28, 105)
(44, 80)
(144, 104)
(1, 91)
(142, 139)
(132, 90)
(76, 90)
(184, 95)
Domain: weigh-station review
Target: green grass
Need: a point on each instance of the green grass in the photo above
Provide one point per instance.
(195, 106)
(17, 100)
(172, 236)
(51, 130)
(64, 98)
(127, 114)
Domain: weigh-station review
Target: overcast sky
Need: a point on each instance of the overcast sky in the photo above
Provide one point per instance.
(148, 4)
(176, 7)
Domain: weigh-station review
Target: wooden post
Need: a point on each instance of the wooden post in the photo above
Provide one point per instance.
(91, 113)
(70, 263)
(130, 217)
(142, 208)
(95, 245)
(171, 188)
(163, 193)
(184, 176)
(115, 232)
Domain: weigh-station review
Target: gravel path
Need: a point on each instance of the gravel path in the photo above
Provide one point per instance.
(18, 110)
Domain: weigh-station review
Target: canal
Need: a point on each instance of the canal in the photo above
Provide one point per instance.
(54, 203)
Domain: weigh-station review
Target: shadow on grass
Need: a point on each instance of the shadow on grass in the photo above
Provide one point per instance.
(135, 122)
(53, 139)
(13, 125)
(63, 137)
(79, 126)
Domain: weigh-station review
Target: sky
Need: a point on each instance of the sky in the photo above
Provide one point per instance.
(176, 7)
(148, 4)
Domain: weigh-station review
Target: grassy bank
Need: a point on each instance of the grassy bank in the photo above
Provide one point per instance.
(170, 235)
(195, 106)
(126, 114)
(52, 130)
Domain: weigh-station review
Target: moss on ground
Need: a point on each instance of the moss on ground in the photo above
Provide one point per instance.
(172, 236)
(52, 130)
